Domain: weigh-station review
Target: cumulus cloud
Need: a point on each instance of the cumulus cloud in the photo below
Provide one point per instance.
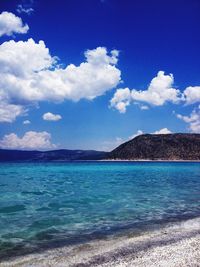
(193, 120)
(192, 94)
(11, 24)
(9, 112)
(158, 93)
(28, 73)
(51, 117)
(19, 61)
(26, 122)
(31, 140)
(121, 99)
(162, 131)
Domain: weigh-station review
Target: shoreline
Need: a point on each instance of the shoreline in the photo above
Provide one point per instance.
(146, 160)
(175, 244)
(107, 160)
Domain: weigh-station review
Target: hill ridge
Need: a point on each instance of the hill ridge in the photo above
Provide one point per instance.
(177, 146)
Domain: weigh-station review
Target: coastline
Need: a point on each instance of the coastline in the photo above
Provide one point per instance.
(147, 160)
(105, 160)
(175, 244)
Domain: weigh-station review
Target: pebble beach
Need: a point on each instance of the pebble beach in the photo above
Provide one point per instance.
(173, 245)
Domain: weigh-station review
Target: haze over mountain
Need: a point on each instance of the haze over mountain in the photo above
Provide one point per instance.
(60, 155)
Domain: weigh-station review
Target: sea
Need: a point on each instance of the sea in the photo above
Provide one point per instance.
(53, 204)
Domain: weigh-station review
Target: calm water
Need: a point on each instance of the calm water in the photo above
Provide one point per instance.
(54, 203)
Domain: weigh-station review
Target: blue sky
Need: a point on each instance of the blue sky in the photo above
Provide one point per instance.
(144, 76)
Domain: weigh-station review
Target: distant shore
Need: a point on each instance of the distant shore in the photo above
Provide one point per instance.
(101, 160)
(149, 160)
(175, 244)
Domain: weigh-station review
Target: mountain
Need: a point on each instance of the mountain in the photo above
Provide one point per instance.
(63, 154)
(159, 147)
(143, 147)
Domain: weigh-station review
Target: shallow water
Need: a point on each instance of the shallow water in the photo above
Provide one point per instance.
(55, 203)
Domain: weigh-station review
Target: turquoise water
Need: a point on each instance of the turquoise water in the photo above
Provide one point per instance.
(50, 204)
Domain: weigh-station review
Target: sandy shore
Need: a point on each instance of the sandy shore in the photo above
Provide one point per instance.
(176, 244)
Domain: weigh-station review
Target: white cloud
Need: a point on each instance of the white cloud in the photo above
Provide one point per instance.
(31, 140)
(26, 122)
(29, 76)
(9, 112)
(162, 131)
(144, 107)
(121, 99)
(193, 120)
(28, 73)
(158, 93)
(192, 94)
(139, 132)
(51, 117)
(10, 24)
(22, 9)
(19, 61)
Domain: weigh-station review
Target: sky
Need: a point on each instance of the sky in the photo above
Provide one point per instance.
(93, 74)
